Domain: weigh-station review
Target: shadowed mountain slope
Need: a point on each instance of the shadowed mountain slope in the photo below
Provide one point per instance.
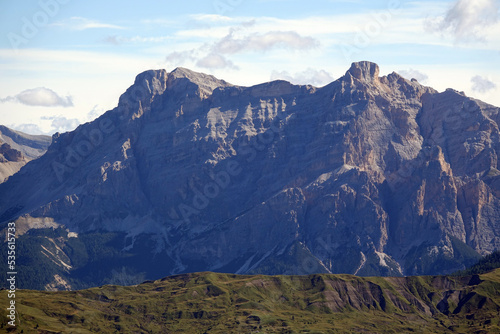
(368, 175)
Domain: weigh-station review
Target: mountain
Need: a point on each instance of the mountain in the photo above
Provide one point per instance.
(369, 175)
(226, 303)
(17, 149)
(484, 265)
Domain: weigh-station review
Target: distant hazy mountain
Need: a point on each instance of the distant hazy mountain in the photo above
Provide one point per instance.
(368, 175)
(17, 148)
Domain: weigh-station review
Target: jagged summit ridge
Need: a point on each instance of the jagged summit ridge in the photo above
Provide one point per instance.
(207, 83)
(155, 82)
(152, 83)
(368, 175)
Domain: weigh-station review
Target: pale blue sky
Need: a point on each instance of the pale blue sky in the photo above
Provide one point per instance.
(64, 62)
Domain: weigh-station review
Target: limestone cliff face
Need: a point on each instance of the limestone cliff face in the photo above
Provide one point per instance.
(367, 175)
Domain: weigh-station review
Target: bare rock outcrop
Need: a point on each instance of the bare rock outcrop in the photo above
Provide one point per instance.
(17, 149)
(368, 175)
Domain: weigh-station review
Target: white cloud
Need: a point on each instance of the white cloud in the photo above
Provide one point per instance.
(264, 42)
(107, 74)
(468, 19)
(211, 18)
(118, 40)
(214, 60)
(48, 125)
(308, 77)
(61, 123)
(81, 23)
(414, 74)
(40, 97)
(31, 129)
(94, 113)
(211, 55)
(481, 84)
(178, 58)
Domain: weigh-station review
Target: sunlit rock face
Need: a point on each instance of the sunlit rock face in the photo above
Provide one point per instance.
(368, 175)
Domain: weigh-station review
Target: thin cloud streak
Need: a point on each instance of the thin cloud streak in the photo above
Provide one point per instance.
(119, 40)
(81, 23)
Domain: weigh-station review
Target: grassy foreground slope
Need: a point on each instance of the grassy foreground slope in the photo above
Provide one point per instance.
(226, 303)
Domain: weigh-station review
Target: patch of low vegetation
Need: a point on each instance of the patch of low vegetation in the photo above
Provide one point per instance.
(227, 303)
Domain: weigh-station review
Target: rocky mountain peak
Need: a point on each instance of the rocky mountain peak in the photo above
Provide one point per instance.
(155, 80)
(205, 82)
(364, 71)
(182, 72)
(146, 86)
(367, 175)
